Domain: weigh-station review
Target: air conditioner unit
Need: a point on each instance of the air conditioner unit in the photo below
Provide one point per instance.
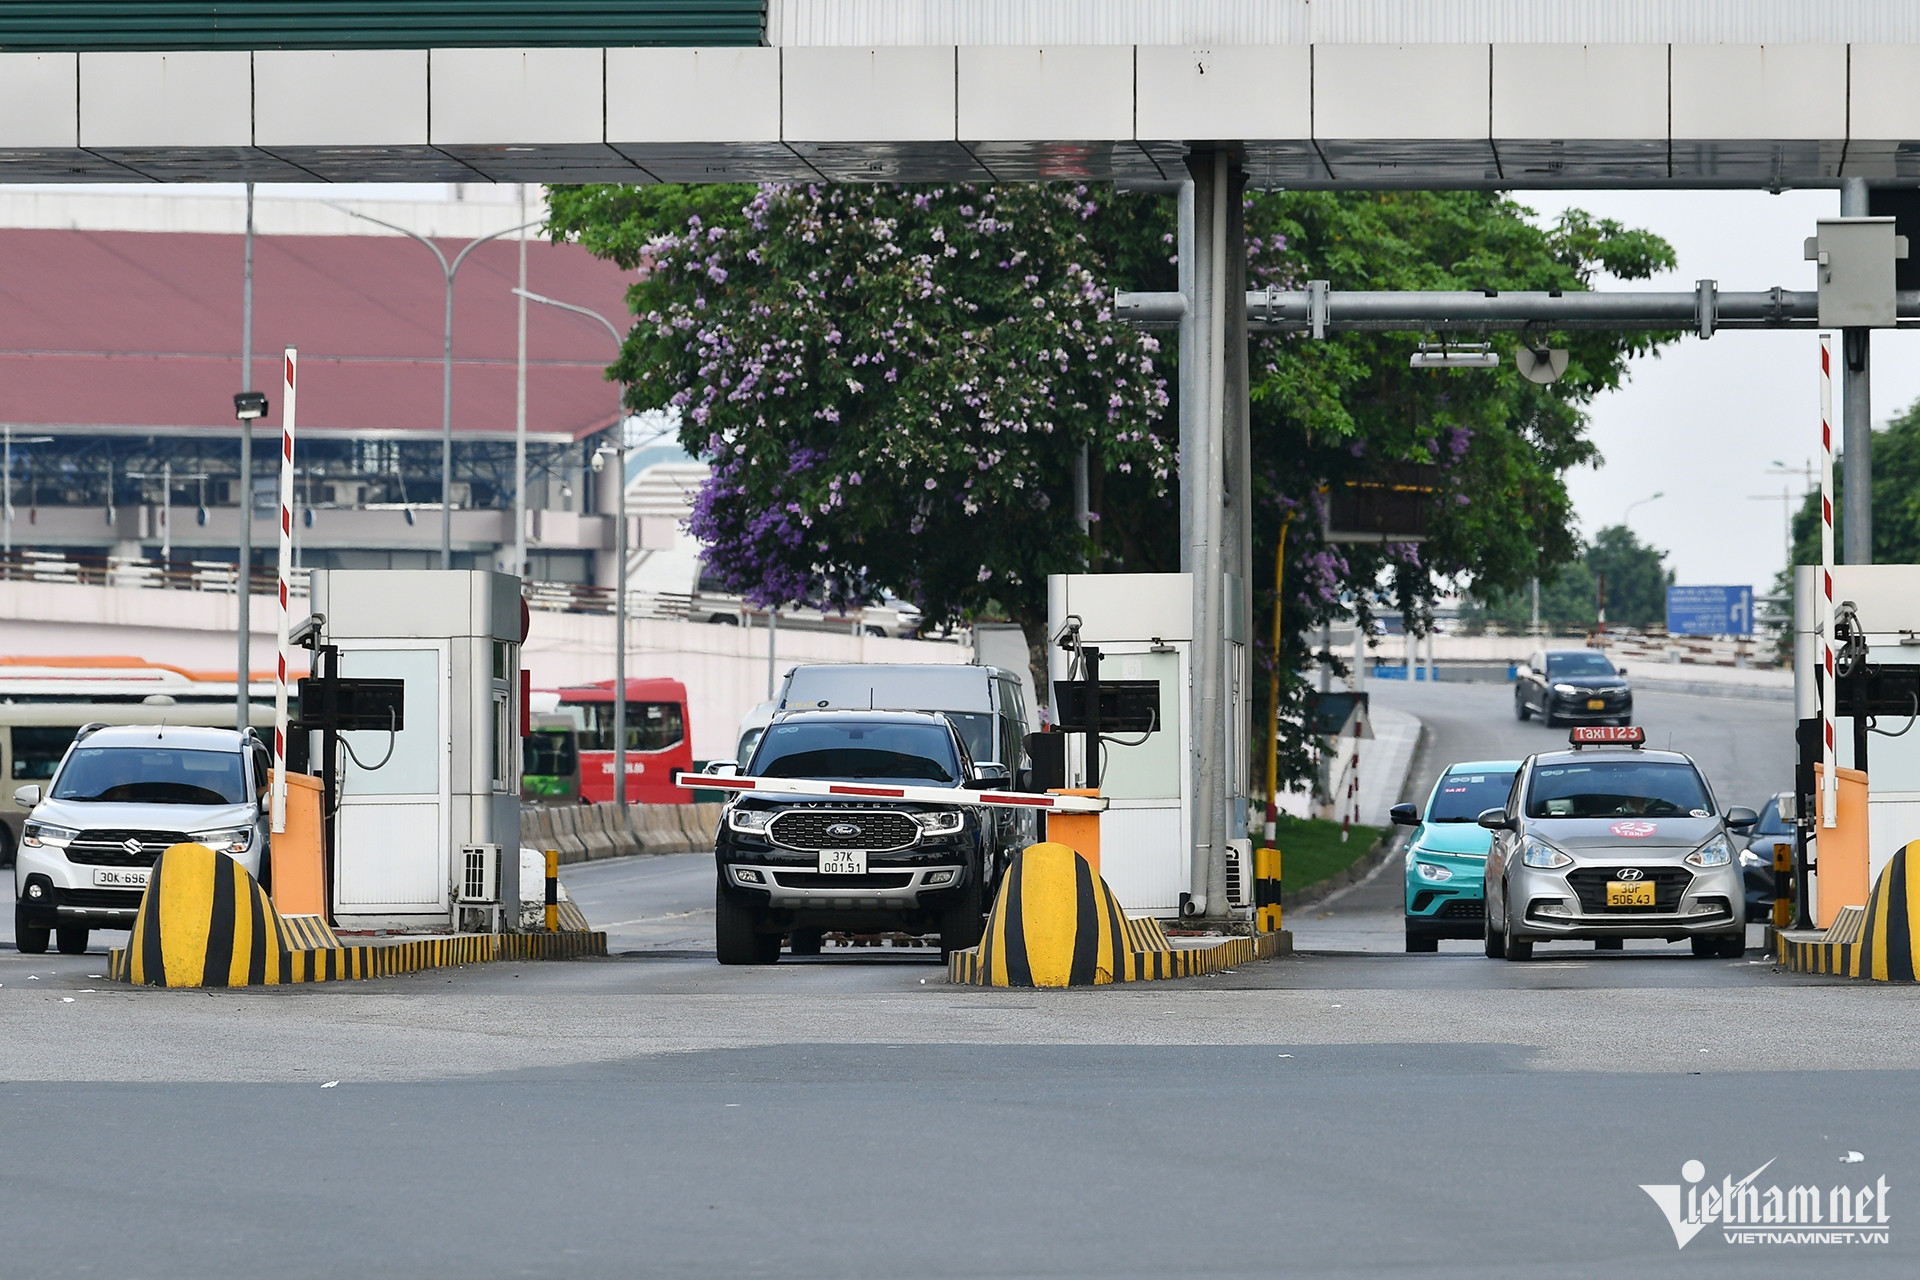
(479, 875)
(1239, 873)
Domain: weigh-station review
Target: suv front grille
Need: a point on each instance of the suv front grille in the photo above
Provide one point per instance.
(875, 830)
(107, 847)
(851, 884)
(102, 899)
(1669, 883)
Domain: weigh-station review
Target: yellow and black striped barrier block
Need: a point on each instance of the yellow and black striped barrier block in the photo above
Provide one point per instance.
(204, 922)
(1056, 924)
(1879, 943)
(1266, 889)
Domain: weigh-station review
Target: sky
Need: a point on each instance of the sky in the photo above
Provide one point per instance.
(1704, 422)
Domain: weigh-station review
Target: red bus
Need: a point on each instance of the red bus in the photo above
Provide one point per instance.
(659, 740)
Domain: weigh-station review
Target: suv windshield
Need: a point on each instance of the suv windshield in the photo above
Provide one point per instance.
(890, 752)
(152, 775)
(1617, 789)
(1578, 664)
(1463, 797)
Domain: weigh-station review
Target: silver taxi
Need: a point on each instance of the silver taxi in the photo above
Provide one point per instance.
(1608, 841)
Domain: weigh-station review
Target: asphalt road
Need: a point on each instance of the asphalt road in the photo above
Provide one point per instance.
(1348, 1112)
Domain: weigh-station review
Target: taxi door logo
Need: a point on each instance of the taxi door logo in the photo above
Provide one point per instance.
(1748, 1214)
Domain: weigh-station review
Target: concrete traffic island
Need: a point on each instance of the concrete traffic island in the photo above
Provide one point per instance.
(1876, 943)
(205, 922)
(1056, 924)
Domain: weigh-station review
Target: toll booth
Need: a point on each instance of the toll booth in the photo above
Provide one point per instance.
(1877, 720)
(429, 816)
(1142, 623)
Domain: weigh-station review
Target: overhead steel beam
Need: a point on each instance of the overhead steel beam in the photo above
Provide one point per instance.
(1703, 310)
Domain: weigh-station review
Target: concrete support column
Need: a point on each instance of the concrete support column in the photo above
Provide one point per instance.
(1856, 379)
(1203, 469)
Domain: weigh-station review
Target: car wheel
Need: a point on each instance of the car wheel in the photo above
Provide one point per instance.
(963, 920)
(1514, 946)
(1420, 940)
(1496, 943)
(1521, 711)
(805, 942)
(30, 938)
(73, 939)
(1609, 944)
(1547, 717)
(737, 938)
(6, 846)
(1729, 946)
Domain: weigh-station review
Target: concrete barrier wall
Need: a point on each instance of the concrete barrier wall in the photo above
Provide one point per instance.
(590, 832)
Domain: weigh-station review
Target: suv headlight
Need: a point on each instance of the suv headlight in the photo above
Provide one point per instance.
(1544, 856)
(224, 839)
(1714, 853)
(1433, 871)
(941, 824)
(1565, 690)
(751, 822)
(36, 834)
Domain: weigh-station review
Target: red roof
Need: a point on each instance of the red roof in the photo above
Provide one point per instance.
(142, 329)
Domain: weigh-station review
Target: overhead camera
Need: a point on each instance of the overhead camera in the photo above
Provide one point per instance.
(248, 405)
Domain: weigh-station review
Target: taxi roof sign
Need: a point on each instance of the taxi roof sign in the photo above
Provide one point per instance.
(1608, 735)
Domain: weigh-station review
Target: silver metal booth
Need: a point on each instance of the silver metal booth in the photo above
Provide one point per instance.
(428, 816)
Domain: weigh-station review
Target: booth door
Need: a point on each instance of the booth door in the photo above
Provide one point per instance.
(393, 828)
(1144, 855)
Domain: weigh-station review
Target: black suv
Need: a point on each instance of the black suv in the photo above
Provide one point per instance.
(1572, 686)
(798, 866)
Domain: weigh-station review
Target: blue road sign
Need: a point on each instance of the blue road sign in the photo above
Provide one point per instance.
(1710, 611)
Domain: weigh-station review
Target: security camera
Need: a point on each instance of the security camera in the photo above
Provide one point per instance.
(248, 405)
(599, 462)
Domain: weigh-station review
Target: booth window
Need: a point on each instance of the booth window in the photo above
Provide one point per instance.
(503, 736)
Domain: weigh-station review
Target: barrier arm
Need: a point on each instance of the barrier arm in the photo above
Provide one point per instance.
(689, 780)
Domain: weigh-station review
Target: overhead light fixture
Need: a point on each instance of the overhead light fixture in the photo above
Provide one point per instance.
(1454, 355)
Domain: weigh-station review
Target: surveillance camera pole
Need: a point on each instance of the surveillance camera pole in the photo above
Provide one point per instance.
(243, 665)
(619, 452)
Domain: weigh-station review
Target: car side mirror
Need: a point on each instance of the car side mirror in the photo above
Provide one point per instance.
(1024, 780)
(28, 796)
(724, 768)
(1495, 820)
(1740, 818)
(991, 777)
(266, 801)
(1404, 815)
(1618, 670)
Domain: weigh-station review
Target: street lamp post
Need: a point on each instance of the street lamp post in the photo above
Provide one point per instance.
(619, 451)
(449, 270)
(1628, 513)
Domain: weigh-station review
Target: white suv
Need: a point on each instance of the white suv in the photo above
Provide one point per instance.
(121, 796)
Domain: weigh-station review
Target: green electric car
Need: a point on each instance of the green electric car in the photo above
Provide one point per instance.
(1446, 859)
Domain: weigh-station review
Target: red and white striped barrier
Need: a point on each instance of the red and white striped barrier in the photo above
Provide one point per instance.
(1829, 781)
(286, 568)
(689, 781)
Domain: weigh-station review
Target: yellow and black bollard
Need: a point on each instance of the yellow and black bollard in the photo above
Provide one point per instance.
(553, 891)
(1266, 889)
(1782, 885)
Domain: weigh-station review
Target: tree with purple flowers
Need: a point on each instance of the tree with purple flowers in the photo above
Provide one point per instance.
(892, 385)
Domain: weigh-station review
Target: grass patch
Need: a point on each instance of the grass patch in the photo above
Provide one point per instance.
(1311, 851)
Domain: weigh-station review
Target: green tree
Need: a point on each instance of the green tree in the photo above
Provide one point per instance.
(1896, 502)
(1636, 578)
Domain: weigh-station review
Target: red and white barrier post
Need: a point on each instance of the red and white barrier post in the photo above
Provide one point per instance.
(285, 625)
(1829, 782)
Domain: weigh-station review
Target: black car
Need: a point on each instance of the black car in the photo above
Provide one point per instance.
(1756, 860)
(798, 866)
(1572, 686)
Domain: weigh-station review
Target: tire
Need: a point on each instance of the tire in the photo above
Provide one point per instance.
(1419, 940)
(737, 938)
(1513, 946)
(73, 939)
(963, 920)
(1521, 711)
(1609, 944)
(1496, 943)
(1547, 718)
(6, 846)
(1726, 946)
(30, 938)
(804, 942)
